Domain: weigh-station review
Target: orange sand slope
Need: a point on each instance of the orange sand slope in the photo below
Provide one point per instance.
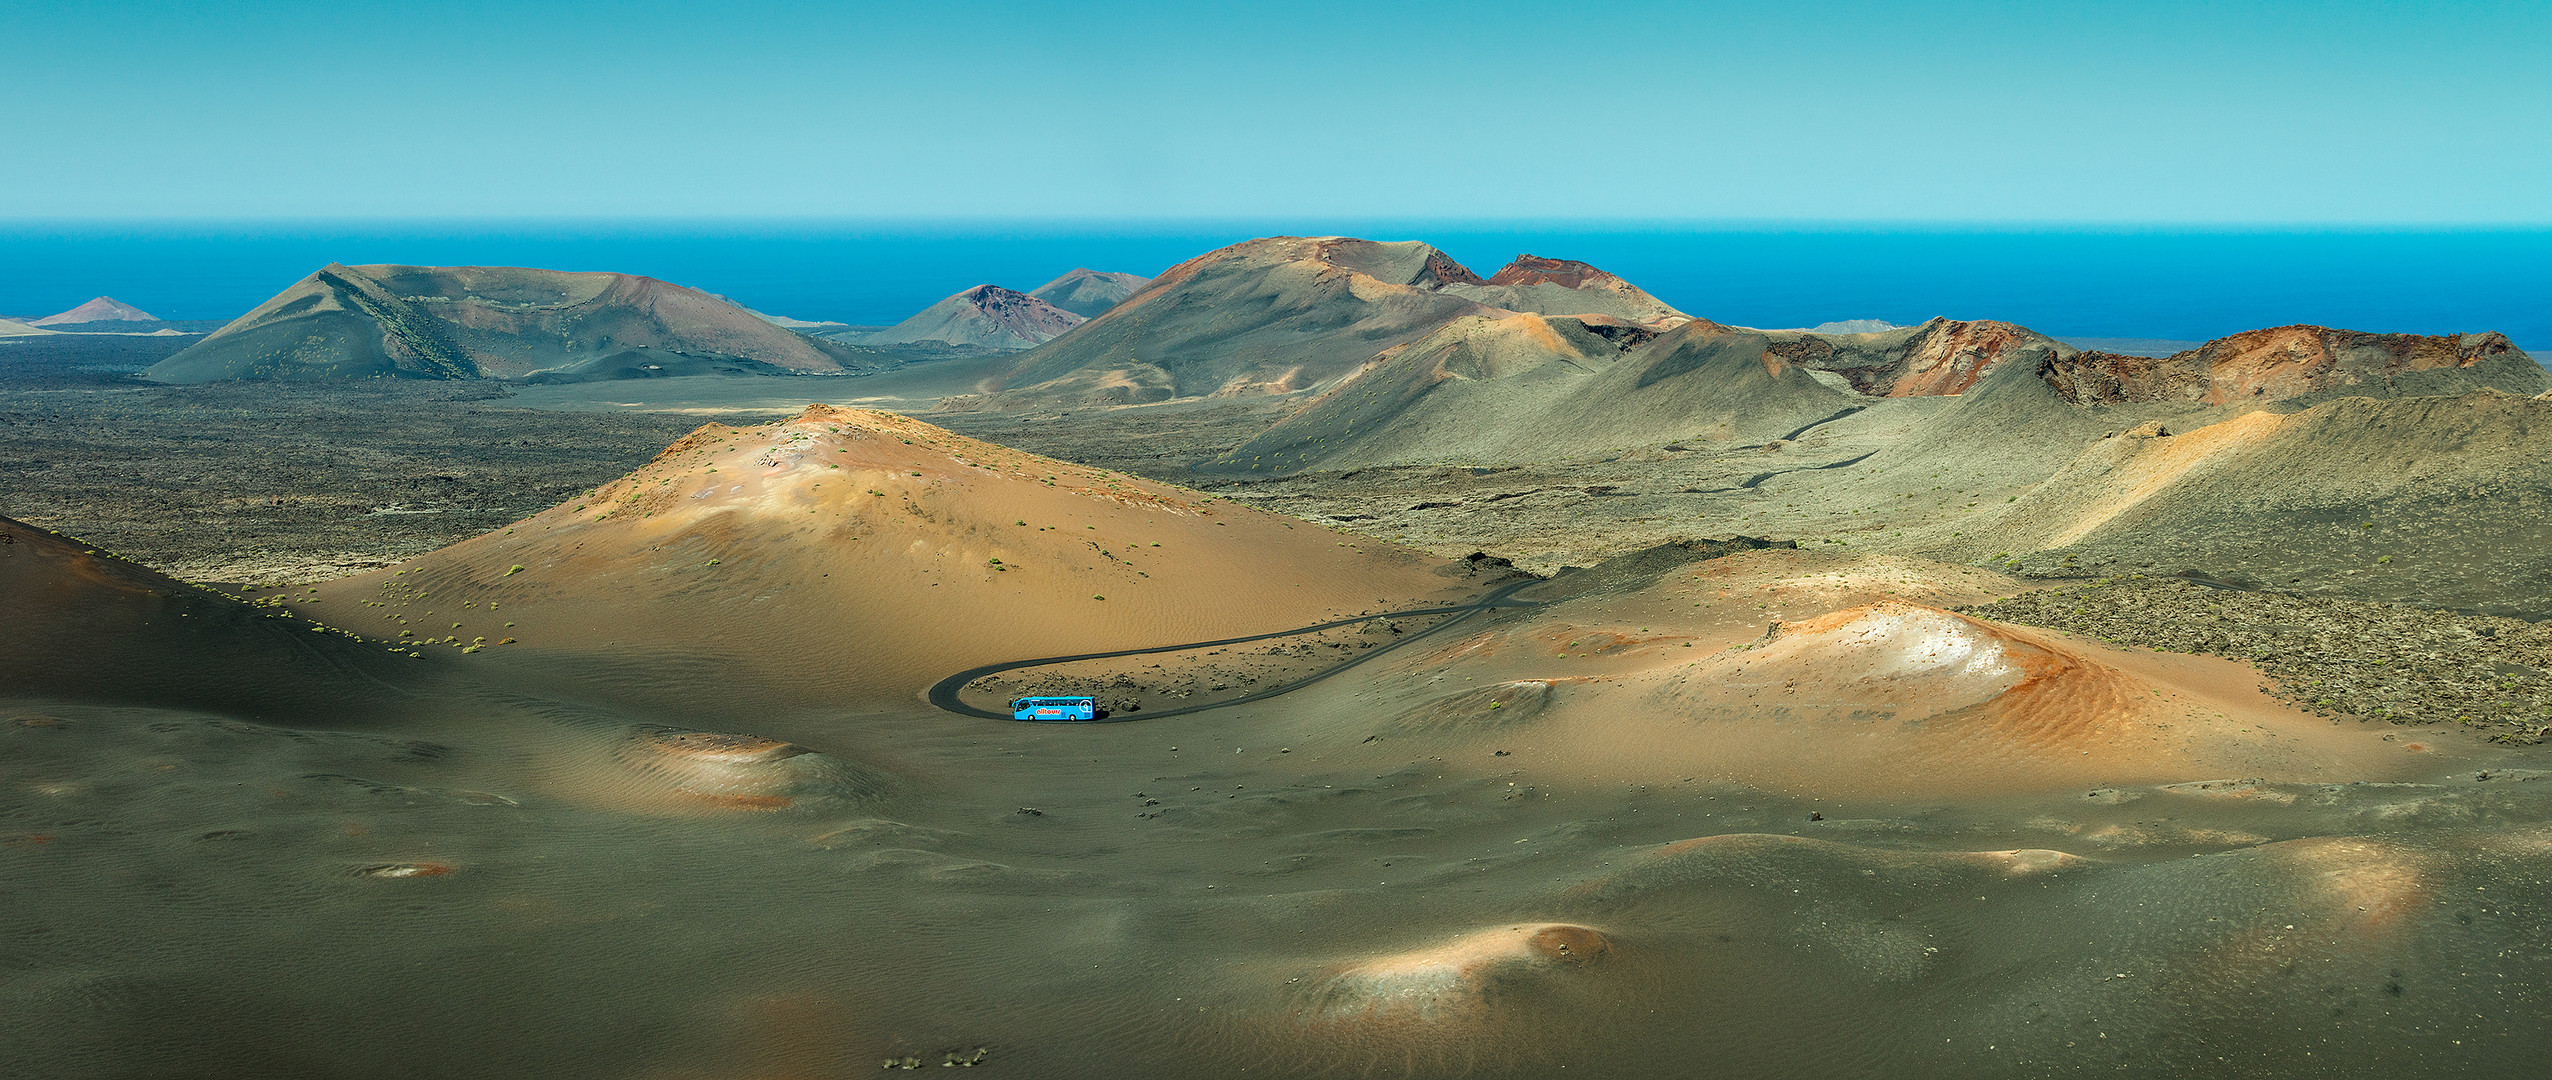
(1851, 678)
(846, 555)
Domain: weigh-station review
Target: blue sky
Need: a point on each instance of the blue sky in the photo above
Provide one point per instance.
(2212, 113)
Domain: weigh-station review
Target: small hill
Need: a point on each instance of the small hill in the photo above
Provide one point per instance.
(986, 316)
(845, 555)
(85, 625)
(2436, 500)
(13, 328)
(1086, 293)
(102, 309)
(1283, 314)
(1853, 326)
(473, 322)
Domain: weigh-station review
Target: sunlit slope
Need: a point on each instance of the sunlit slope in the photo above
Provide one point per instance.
(85, 625)
(1825, 674)
(844, 555)
(465, 322)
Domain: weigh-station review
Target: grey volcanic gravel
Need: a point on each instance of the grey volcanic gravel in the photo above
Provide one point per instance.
(2332, 656)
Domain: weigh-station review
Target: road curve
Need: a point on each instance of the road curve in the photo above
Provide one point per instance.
(943, 694)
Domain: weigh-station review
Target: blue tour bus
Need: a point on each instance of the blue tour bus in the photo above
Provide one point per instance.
(1055, 708)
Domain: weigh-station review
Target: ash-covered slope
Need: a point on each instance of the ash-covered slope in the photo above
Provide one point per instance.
(14, 328)
(1282, 314)
(1086, 292)
(469, 322)
(102, 309)
(850, 555)
(84, 625)
(1510, 388)
(986, 316)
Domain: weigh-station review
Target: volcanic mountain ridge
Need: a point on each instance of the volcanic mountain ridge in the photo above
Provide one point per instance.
(1281, 314)
(472, 322)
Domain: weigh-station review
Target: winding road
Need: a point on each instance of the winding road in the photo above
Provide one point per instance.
(943, 693)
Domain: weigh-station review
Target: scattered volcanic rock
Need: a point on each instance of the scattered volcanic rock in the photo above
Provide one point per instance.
(1941, 357)
(1086, 293)
(469, 322)
(102, 309)
(2290, 362)
(986, 316)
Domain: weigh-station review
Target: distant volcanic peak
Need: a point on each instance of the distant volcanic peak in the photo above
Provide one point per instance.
(469, 322)
(1088, 293)
(1536, 270)
(2269, 364)
(1441, 270)
(102, 309)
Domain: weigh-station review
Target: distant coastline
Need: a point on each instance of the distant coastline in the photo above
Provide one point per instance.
(2151, 284)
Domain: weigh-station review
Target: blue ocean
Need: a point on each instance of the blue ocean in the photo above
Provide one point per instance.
(2172, 284)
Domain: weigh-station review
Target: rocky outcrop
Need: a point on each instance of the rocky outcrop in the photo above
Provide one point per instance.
(1565, 287)
(1940, 358)
(2288, 362)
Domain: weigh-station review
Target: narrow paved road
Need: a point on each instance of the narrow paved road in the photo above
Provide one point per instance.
(943, 693)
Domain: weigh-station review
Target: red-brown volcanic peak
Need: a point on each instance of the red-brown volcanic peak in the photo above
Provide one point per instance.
(102, 309)
(986, 316)
(851, 555)
(2288, 362)
(1942, 357)
(1536, 270)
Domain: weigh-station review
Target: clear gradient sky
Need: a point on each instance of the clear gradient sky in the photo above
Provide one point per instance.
(2223, 112)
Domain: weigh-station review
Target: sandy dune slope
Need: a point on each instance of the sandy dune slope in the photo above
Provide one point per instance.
(846, 555)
